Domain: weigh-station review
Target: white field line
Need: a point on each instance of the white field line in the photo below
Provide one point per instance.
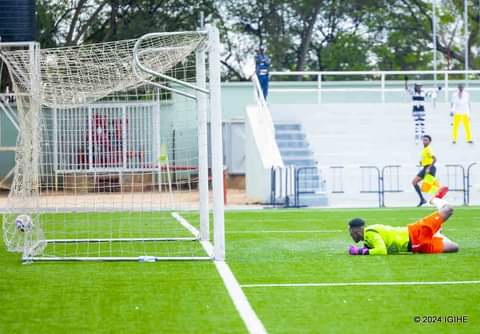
(186, 224)
(283, 231)
(300, 285)
(248, 315)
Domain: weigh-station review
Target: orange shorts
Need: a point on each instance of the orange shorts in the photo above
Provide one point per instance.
(422, 234)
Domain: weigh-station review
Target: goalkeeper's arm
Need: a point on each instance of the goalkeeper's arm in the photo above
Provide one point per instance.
(375, 243)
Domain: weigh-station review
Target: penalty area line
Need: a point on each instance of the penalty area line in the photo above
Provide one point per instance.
(252, 322)
(326, 284)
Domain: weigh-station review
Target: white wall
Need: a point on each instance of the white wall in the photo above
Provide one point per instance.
(261, 153)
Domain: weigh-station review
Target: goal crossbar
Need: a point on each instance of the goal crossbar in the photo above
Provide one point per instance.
(138, 63)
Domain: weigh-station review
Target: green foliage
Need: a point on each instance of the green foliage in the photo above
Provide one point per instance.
(348, 52)
(65, 22)
(298, 34)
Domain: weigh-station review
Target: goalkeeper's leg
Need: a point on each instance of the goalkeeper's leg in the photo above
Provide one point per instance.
(445, 210)
(448, 246)
(424, 234)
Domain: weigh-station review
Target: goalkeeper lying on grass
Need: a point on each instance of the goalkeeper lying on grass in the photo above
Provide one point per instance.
(422, 237)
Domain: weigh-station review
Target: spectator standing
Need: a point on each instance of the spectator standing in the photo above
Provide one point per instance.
(419, 113)
(460, 110)
(262, 65)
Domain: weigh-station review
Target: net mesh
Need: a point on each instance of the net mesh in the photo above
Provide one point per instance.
(77, 75)
(103, 159)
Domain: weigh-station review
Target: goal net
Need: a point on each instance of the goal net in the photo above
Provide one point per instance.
(112, 151)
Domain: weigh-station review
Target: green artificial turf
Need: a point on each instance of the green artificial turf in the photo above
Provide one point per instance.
(320, 256)
(115, 297)
(268, 246)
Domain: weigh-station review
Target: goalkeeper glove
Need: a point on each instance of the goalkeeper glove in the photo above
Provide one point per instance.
(354, 250)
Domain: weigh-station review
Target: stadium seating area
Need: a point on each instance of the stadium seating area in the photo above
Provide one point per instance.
(295, 151)
(376, 134)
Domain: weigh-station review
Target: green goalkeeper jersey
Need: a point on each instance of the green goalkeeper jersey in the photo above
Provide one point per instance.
(383, 239)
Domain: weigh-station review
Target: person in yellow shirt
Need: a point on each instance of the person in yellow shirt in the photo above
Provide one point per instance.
(427, 162)
(421, 237)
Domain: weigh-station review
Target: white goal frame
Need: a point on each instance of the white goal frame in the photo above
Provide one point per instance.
(207, 100)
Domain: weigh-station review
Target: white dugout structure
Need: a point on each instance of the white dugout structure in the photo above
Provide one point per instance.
(112, 158)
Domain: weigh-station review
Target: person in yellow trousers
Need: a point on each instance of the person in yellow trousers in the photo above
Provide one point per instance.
(460, 110)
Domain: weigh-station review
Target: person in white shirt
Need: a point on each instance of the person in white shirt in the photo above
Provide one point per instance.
(460, 110)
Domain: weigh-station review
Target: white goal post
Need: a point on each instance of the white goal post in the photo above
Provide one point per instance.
(112, 160)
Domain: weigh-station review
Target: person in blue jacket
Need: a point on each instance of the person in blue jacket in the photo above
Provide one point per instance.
(262, 64)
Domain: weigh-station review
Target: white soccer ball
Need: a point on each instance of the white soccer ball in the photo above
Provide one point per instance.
(23, 223)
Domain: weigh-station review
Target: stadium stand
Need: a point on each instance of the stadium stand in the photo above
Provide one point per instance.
(374, 134)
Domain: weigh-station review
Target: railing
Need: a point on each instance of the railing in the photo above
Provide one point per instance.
(262, 103)
(305, 183)
(367, 186)
(468, 183)
(381, 189)
(373, 179)
(383, 81)
(337, 181)
(457, 180)
(456, 172)
(106, 137)
(283, 187)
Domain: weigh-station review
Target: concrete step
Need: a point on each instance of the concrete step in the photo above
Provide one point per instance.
(299, 162)
(288, 127)
(310, 187)
(315, 199)
(290, 136)
(306, 179)
(286, 153)
(295, 150)
(311, 182)
(292, 144)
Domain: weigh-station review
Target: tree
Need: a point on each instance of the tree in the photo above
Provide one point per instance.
(298, 34)
(407, 26)
(66, 22)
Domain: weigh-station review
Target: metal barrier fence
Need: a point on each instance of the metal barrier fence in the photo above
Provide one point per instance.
(468, 181)
(307, 181)
(288, 185)
(380, 179)
(464, 186)
(283, 186)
